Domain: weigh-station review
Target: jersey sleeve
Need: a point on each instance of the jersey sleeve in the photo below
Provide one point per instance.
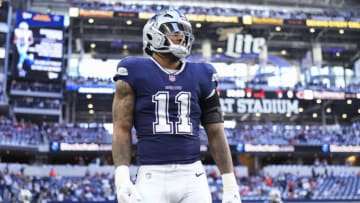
(125, 72)
(210, 80)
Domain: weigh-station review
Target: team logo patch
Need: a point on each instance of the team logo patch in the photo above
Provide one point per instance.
(122, 71)
(172, 78)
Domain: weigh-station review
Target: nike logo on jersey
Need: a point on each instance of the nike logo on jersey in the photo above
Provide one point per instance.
(198, 174)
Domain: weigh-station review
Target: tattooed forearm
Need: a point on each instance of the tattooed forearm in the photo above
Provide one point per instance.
(219, 147)
(122, 113)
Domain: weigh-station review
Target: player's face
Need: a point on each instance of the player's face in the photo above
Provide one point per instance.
(176, 38)
(175, 32)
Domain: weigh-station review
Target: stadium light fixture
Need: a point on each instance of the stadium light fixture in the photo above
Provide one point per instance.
(359, 111)
(349, 101)
(90, 106)
(344, 115)
(219, 50)
(312, 30)
(328, 110)
(91, 20)
(301, 109)
(314, 115)
(88, 96)
(351, 159)
(92, 45)
(318, 101)
(91, 111)
(129, 22)
(341, 31)
(278, 28)
(198, 25)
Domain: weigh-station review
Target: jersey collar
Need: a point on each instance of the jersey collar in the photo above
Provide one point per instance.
(166, 71)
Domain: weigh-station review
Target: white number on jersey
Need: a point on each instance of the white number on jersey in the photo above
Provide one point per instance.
(162, 123)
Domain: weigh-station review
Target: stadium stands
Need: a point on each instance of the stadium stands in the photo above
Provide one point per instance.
(76, 183)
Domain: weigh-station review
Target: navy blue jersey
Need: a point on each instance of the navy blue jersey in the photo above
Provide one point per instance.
(167, 108)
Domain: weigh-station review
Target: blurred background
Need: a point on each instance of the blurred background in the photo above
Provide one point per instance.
(289, 84)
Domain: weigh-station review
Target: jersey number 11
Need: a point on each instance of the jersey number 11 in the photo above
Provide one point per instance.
(163, 124)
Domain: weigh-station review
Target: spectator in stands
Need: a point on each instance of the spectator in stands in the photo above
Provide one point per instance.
(25, 196)
(52, 173)
(158, 102)
(274, 196)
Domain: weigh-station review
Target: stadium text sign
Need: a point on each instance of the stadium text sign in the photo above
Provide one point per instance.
(238, 44)
(270, 106)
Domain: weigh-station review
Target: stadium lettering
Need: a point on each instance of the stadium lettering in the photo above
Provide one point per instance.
(238, 44)
(268, 106)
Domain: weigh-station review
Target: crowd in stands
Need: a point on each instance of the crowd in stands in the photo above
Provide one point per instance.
(96, 184)
(22, 133)
(15, 132)
(70, 133)
(92, 81)
(291, 134)
(37, 102)
(225, 11)
(35, 86)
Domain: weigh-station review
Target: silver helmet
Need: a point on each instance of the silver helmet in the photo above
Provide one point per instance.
(166, 23)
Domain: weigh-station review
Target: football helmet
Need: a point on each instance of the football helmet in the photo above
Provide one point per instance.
(24, 25)
(159, 27)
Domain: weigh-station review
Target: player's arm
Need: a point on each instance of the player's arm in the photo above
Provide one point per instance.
(212, 120)
(122, 114)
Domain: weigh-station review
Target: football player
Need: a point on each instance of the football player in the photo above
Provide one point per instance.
(23, 38)
(166, 99)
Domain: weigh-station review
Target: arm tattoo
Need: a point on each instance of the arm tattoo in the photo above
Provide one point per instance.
(122, 113)
(219, 147)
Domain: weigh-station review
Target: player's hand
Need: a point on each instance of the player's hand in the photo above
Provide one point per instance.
(230, 189)
(231, 197)
(125, 189)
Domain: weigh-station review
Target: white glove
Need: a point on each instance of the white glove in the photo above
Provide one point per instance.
(125, 189)
(230, 189)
